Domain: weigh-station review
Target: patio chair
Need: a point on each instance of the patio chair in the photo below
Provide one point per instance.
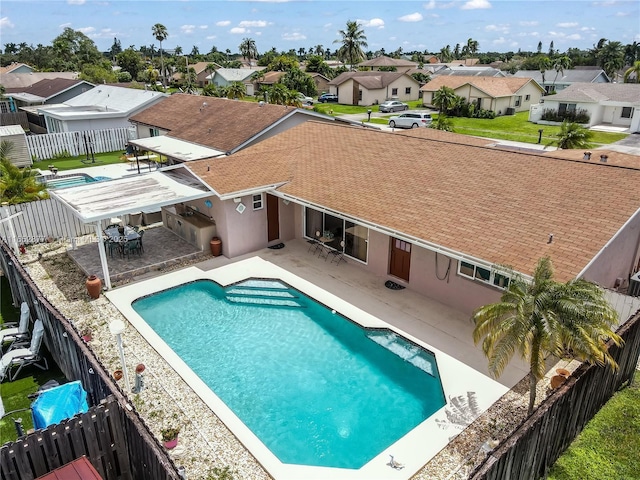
(141, 233)
(16, 333)
(338, 255)
(132, 246)
(111, 246)
(315, 243)
(22, 356)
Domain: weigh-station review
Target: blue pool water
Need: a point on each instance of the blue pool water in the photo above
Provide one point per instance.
(316, 388)
(73, 181)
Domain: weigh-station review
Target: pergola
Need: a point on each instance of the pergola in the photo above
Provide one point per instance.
(99, 201)
(175, 148)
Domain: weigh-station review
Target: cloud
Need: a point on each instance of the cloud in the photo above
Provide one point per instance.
(528, 24)
(575, 36)
(238, 30)
(187, 28)
(211, 37)
(252, 23)
(64, 25)
(295, 36)
(476, 4)
(567, 24)
(609, 3)
(203, 27)
(587, 29)
(431, 5)
(223, 23)
(623, 14)
(76, 2)
(502, 28)
(86, 30)
(499, 41)
(6, 23)
(412, 17)
(373, 23)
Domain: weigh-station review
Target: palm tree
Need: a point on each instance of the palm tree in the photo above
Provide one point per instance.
(442, 122)
(236, 90)
(633, 70)
(544, 64)
(248, 49)
(472, 46)
(559, 66)
(353, 40)
(572, 135)
(18, 185)
(544, 317)
(611, 58)
(160, 33)
(444, 98)
(445, 54)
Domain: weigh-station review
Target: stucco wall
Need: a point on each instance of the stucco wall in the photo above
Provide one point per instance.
(242, 233)
(95, 124)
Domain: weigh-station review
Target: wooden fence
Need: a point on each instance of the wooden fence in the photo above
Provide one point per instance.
(50, 145)
(538, 442)
(14, 118)
(147, 459)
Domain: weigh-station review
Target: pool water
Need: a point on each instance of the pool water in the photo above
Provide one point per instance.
(314, 387)
(73, 181)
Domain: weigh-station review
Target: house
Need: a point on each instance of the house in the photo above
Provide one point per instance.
(16, 82)
(615, 104)
(223, 77)
(202, 69)
(265, 79)
(473, 71)
(383, 61)
(500, 94)
(371, 88)
(100, 108)
(16, 68)
(321, 82)
(452, 221)
(552, 80)
(14, 134)
(190, 127)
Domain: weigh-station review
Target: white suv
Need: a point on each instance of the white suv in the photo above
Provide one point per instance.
(410, 120)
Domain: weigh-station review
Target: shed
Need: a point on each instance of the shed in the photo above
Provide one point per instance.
(20, 155)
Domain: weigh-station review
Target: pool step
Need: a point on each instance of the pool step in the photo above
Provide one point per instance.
(261, 295)
(261, 291)
(263, 301)
(405, 350)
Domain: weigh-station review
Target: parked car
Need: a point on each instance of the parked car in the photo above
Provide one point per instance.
(393, 106)
(328, 97)
(304, 100)
(410, 120)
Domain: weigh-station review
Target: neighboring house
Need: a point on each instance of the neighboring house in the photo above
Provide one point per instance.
(371, 88)
(266, 79)
(438, 218)
(16, 68)
(616, 104)
(223, 77)
(14, 134)
(400, 65)
(560, 80)
(17, 82)
(321, 82)
(475, 71)
(202, 72)
(503, 95)
(100, 108)
(189, 127)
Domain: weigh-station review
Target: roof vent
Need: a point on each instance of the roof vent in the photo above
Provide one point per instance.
(587, 156)
(604, 158)
(550, 238)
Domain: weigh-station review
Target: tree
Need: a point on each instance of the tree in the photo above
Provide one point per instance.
(445, 54)
(130, 61)
(248, 49)
(631, 53)
(572, 135)
(544, 64)
(544, 317)
(539, 49)
(236, 90)
(444, 98)
(633, 70)
(177, 51)
(316, 64)
(296, 79)
(100, 73)
(559, 65)
(160, 33)
(18, 185)
(611, 58)
(442, 122)
(72, 50)
(115, 49)
(352, 41)
(472, 46)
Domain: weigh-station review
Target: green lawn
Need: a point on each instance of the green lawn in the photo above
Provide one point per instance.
(338, 109)
(608, 446)
(69, 163)
(518, 128)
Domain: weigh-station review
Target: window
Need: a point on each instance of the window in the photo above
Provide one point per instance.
(527, 98)
(359, 94)
(153, 132)
(407, 90)
(627, 112)
(394, 92)
(257, 201)
(518, 101)
(476, 272)
(566, 108)
(355, 237)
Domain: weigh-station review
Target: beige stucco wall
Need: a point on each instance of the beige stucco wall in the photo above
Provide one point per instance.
(348, 96)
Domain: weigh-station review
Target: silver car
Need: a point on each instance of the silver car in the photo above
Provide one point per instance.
(393, 106)
(410, 120)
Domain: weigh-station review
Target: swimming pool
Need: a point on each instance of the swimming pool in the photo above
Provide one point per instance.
(316, 388)
(72, 181)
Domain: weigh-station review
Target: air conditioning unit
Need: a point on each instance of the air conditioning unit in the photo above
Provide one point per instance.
(510, 111)
(634, 285)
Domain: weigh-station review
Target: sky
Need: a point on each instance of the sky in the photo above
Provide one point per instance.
(498, 25)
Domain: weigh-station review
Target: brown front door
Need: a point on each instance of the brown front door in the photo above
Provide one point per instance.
(400, 259)
(273, 220)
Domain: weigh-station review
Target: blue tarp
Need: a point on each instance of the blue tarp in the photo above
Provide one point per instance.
(54, 405)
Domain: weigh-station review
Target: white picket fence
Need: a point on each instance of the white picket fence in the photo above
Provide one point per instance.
(48, 146)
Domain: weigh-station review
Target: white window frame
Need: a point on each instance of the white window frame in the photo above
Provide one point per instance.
(527, 98)
(407, 90)
(258, 203)
(496, 278)
(630, 110)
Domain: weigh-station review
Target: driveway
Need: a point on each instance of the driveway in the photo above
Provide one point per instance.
(630, 145)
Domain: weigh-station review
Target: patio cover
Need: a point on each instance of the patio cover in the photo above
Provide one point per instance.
(175, 148)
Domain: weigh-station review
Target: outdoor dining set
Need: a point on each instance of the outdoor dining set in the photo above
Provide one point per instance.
(320, 245)
(123, 240)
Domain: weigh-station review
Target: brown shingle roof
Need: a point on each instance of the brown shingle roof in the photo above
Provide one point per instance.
(499, 206)
(493, 86)
(384, 61)
(222, 124)
(51, 87)
(369, 80)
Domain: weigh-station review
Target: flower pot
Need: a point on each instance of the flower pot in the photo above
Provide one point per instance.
(117, 374)
(216, 246)
(169, 444)
(94, 285)
(86, 338)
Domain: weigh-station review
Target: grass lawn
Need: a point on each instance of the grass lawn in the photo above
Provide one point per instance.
(69, 163)
(517, 128)
(338, 109)
(608, 446)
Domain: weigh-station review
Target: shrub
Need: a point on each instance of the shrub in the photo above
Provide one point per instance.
(578, 116)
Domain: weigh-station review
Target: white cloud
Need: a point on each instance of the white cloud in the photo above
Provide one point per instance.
(528, 24)
(502, 28)
(295, 36)
(76, 2)
(412, 17)
(567, 24)
(499, 41)
(211, 37)
(187, 29)
(623, 14)
(587, 29)
(431, 5)
(257, 34)
(609, 3)
(575, 36)
(238, 30)
(223, 23)
(203, 27)
(476, 4)
(393, 39)
(252, 23)
(64, 25)
(6, 23)
(86, 30)
(327, 26)
(373, 23)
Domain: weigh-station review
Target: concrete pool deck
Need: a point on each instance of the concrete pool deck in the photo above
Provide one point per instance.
(363, 298)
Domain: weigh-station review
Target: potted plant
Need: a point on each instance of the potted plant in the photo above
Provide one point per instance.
(170, 437)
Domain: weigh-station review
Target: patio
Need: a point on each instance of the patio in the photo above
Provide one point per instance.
(162, 249)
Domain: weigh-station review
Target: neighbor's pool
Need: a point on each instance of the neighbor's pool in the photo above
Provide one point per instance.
(73, 181)
(316, 388)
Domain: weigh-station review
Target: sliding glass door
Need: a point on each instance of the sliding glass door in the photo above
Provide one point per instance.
(355, 237)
